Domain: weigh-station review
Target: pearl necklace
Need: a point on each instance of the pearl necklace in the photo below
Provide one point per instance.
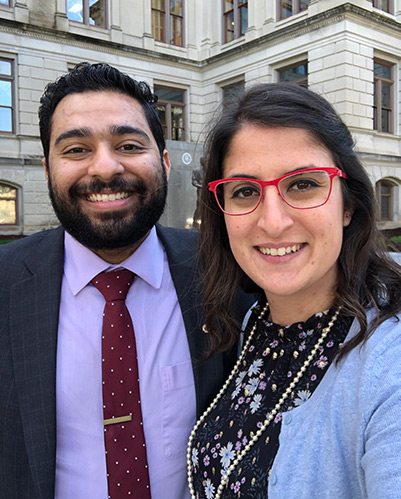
(271, 415)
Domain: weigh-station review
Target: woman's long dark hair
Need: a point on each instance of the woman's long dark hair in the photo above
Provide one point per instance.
(366, 276)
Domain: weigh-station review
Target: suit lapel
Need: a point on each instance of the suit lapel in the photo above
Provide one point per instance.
(34, 310)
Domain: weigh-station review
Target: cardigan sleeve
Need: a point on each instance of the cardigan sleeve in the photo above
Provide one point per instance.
(381, 461)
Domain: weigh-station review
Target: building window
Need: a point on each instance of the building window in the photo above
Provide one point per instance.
(288, 8)
(8, 204)
(385, 196)
(168, 21)
(235, 19)
(383, 5)
(171, 107)
(383, 97)
(6, 95)
(90, 12)
(296, 73)
(233, 90)
(5, 2)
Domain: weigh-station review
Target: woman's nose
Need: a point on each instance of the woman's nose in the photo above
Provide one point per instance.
(275, 216)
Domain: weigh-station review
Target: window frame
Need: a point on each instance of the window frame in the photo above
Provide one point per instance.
(86, 15)
(389, 197)
(236, 11)
(300, 81)
(377, 4)
(11, 79)
(236, 87)
(295, 8)
(16, 204)
(377, 104)
(168, 105)
(169, 33)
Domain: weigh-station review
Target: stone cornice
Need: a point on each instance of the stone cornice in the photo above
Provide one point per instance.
(302, 26)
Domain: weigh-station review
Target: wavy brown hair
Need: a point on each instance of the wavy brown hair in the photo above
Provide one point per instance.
(366, 276)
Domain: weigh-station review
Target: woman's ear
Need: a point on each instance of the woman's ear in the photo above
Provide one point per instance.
(347, 217)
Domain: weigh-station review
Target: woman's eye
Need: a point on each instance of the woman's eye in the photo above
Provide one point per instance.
(246, 192)
(302, 185)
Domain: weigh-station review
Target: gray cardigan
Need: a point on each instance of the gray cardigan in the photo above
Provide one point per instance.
(345, 441)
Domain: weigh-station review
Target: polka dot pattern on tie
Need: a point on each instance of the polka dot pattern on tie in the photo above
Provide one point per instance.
(127, 470)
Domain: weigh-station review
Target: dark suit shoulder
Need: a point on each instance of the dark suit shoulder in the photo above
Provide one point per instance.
(33, 252)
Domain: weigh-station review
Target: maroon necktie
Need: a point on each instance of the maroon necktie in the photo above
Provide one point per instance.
(127, 469)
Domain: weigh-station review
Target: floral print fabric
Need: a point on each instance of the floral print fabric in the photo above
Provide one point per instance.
(273, 359)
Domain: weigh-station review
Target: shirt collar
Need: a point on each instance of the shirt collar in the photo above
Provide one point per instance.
(81, 265)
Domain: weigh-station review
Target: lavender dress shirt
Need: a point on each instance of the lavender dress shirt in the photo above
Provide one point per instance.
(165, 373)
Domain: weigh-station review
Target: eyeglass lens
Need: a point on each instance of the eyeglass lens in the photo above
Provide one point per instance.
(300, 190)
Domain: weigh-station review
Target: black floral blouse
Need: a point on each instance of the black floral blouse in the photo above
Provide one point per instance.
(274, 357)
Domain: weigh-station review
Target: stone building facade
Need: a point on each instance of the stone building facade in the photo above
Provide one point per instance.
(193, 54)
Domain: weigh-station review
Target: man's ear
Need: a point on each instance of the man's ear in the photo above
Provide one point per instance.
(166, 163)
(44, 163)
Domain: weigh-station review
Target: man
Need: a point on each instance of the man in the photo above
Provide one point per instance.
(107, 169)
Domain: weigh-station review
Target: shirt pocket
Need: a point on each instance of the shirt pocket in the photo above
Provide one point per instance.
(179, 408)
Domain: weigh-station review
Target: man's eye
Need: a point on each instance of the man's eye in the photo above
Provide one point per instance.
(75, 150)
(130, 147)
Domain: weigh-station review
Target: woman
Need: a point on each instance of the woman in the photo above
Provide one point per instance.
(313, 405)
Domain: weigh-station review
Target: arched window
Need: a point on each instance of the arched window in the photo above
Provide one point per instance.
(8, 204)
(385, 197)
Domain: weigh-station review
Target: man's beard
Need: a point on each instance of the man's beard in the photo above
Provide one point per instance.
(116, 228)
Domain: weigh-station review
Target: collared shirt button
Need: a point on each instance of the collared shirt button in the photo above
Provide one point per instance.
(272, 479)
(287, 418)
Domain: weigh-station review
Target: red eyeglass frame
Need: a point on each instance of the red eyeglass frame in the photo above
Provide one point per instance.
(332, 172)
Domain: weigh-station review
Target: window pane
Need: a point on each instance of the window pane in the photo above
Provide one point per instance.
(177, 116)
(303, 5)
(294, 74)
(385, 189)
(6, 122)
(158, 25)
(96, 13)
(382, 71)
(162, 113)
(243, 19)
(286, 8)
(169, 94)
(233, 91)
(385, 208)
(158, 4)
(176, 7)
(5, 68)
(8, 213)
(229, 26)
(75, 10)
(176, 30)
(228, 6)
(385, 121)
(5, 93)
(5, 2)
(7, 192)
(386, 95)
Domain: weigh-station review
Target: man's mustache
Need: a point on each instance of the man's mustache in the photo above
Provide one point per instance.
(97, 186)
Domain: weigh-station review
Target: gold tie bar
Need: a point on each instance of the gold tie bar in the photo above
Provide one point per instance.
(121, 419)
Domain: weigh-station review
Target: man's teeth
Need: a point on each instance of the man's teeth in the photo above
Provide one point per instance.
(93, 198)
(280, 251)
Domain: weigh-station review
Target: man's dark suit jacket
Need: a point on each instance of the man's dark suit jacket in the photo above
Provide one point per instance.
(31, 272)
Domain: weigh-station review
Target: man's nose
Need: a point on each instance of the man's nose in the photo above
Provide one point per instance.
(105, 163)
(275, 216)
